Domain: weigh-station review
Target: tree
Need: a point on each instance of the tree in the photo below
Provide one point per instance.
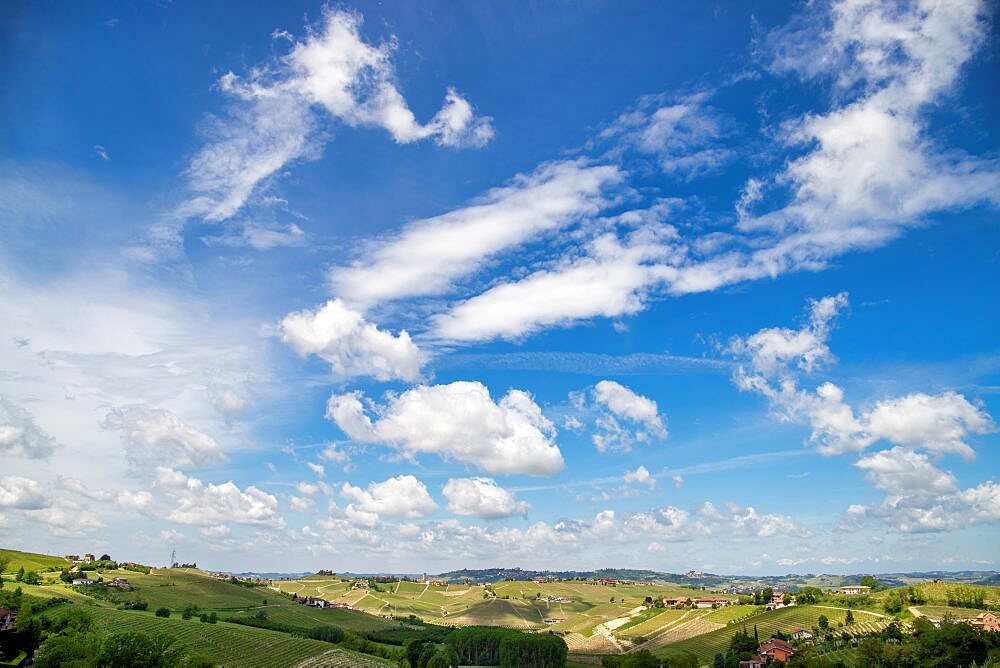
(719, 662)
(869, 581)
(849, 619)
(105, 557)
(163, 612)
(132, 648)
(767, 595)
(31, 578)
(824, 623)
(20, 575)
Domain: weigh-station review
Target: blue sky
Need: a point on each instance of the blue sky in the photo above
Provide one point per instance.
(427, 286)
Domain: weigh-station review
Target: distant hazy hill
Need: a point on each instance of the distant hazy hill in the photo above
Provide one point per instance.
(713, 581)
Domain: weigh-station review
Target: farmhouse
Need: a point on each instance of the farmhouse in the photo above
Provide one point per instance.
(710, 601)
(360, 584)
(680, 600)
(88, 558)
(775, 650)
(985, 621)
(608, 582)
(854, 590)
(540, 579)
(800, 633)
(752, 663)
(120, 583)
(82, 581)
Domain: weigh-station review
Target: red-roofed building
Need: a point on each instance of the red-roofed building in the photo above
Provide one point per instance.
(775, 650)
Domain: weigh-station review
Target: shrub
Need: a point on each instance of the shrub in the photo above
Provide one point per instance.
(333, 634)
(163, 612)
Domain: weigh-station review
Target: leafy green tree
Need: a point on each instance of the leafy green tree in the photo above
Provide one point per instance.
(869, 581)
(412, 651)
(719, 661)
(824, 623)
(132, 649)
(163, 612)
(197, 661)
(20, 575)
(767, 595)
(74, 649)
(849, 619)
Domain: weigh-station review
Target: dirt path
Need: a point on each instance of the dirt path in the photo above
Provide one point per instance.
(916, 613)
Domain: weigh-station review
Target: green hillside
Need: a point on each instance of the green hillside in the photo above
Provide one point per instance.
(31, 561)
(227, 644)
(706, 645)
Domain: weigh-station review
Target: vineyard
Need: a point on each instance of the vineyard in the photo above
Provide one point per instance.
(706, 645)
(733, 613)
(645, 628)
(679, 633)
(227, 644)
(939, 612)
(30, 561)
(342, 658)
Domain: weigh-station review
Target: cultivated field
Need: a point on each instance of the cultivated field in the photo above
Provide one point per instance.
(705, 645)
(227, 644)
(31, 561)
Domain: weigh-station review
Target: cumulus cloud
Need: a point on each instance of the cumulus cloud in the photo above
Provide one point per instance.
(155, 437)
(773, 358)
(482, 497)
(202, 504)
(640, 476)
(402, 496)
(352, 345)
(620, 417)
(22, 493)
(430, 254)
(276, 113)
(625, 403)
(20, 436)
(457, 421)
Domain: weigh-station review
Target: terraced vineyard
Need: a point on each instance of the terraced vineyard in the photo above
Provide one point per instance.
(866, 627)
(227, 644)
(733, 613)
(696, 627)
(342, 658)
(595, 644)
(706, 645)
(938, 612)
(643, 628)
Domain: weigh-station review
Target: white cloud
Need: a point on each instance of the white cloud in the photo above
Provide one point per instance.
(156, 437)
(352, 346)
(20, 436)
(938, 423)
(274, 121)
(227, 400)
(625, 403)
(901, 472)
(202, 504)
(457, 421)
(318, 469)
(402, 496)
(773, 350)
(641, 476)
(621, 418)
(482, 497)
(683, 135)
(22, 493)
(430, 254)
(611, 279)
(260, 237)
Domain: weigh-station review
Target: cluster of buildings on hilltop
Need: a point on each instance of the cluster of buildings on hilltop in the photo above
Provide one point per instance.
(240, 578)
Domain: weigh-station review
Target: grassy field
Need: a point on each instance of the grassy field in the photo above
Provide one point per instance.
(31, 561)
(705, 646)
(938, 612)
(227, 644)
